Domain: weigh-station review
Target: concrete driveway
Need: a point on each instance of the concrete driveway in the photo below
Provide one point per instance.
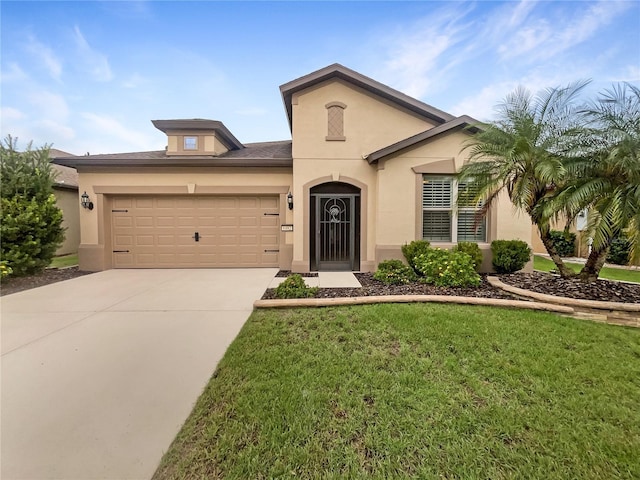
(100, 372)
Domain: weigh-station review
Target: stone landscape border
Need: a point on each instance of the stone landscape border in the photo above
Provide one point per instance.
(331, 302)
(574, 302)
(614, 313)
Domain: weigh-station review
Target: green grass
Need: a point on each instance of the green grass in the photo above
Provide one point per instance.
(422, 391)
(546, 265)
(65, 261)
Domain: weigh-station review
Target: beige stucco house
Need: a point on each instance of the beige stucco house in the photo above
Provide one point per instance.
(65, 189)
(368, 169)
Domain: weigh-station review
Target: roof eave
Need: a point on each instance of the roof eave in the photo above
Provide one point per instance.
(341, 72)
(171, 162)
(464, 123)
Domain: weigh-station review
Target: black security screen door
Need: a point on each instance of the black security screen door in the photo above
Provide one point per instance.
(334, 224)
(335, 231)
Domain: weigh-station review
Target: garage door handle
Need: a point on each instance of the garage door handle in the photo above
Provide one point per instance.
(196, 236)
(121, 251)
(271, 251)
(271, 214)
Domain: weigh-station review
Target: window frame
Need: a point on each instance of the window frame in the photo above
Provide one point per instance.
(184, 143)
(452, 209)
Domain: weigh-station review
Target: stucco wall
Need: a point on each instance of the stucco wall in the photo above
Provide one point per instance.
(400, 198)
(370, 123)
(69, 202)
(103, 185)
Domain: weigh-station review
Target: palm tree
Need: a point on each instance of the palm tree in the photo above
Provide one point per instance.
(604, 173)
(522, 153)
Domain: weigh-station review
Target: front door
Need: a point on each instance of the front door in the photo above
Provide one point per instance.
(335, 229)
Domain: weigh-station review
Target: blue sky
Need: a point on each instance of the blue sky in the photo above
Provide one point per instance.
(89, 76)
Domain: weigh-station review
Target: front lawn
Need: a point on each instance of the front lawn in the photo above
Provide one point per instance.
(423, 391)
(545, 265)
(64, 261)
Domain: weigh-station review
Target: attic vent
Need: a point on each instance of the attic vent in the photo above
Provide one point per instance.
(335, 121)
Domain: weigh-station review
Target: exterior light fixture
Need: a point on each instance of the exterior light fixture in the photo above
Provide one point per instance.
(290, 200)
(85, 201)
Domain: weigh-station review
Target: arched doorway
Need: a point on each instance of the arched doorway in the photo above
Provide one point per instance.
(335, 227)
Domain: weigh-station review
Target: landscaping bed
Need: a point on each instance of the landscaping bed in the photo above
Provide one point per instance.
(49, 275)
(602, 290)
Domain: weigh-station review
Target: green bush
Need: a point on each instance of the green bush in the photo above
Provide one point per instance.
(28, 240)
(473, 250)
(394, 272)
(5, 270)
(445, 268)
(619, 251)
(30, 222)
(294, 287)
(413, 250)
(510, 255)
(565, 242)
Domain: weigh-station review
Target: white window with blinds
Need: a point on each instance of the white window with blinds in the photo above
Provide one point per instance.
(441, 221)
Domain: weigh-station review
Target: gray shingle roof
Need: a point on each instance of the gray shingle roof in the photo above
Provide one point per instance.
(66, 177)
(267, 154)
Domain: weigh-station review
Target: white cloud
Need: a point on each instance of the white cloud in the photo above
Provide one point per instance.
(631, 74)
(48, 105)
(119, 137)
(544, 38)
(55, 130)
(46, 56)
(9, 114)
(134, 81)
(14, 73)
(95, 62)
(481, 105)
(420, 54)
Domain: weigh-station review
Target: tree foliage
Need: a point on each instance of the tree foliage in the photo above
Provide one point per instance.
(30, 221)
(522, 153)
(604, 173)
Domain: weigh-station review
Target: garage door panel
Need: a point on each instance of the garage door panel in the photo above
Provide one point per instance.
(269, 203)
(122, 202)
(159, 231)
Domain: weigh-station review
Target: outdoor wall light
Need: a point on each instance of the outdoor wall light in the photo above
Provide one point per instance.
(85, 201)
(290, 200)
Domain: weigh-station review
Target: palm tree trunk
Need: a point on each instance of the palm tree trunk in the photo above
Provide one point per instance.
(592, 267)
(565, 272)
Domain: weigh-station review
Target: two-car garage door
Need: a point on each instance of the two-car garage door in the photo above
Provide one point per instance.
(195, 231)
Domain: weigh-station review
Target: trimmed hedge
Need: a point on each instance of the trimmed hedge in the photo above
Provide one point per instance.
(394, 272)
(413, 250)
(509, 256)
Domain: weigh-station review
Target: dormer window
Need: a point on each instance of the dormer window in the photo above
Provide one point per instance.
(191, 143)
(335, 121)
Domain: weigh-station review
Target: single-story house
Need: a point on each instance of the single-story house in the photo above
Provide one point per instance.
(367, 170)
(65, 188)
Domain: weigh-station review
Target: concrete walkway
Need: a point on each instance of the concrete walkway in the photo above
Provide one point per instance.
(326, 280)
(100, 372)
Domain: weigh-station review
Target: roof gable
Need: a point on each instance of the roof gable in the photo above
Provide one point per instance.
(195, 125)
(337, 71)
(456, 124)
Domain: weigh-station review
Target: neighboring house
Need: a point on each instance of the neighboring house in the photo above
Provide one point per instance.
(368, 169)
(66, 191)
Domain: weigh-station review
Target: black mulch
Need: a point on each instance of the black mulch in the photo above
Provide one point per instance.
(603, 290)
(372, 287)
(50, 275)
(286, 273)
